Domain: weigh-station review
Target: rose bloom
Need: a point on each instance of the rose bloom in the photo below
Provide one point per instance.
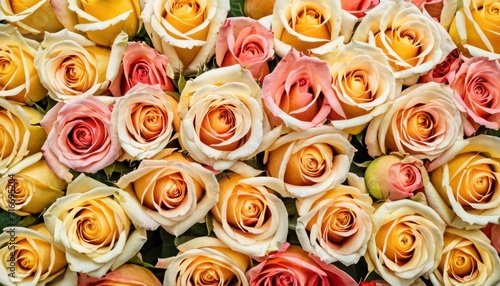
(297, 267)
(32, 18)
(467, 259)
(475, 28)
(475, 88)
(406, 241)
(185, 31)
(256, 9)
(246, 42)
(30, 186)
(445, 71)
(248, 216)
(205, 261)
(99, 21)
(358, 8)
(298, 92)
(142, 64)
(392, 177)
(442, 11)
(81, 137)
(424, 121)
(222, 119)
(310, 161)
(19, 79)
(336, 225)
(144, 118)
(413, 42)
(492, 231)
(465, 187)
(305, 25)
(71, 66)
(363, 84)
(91, 226)
(30, 257)
(20, 133)
(125, 275)
(173, 192)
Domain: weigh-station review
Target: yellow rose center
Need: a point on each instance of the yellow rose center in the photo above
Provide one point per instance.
(12, 72)
(357, 87)
(7, 130)
(74, 74)
(27, 260)
(397, 242)
(19, 6)
(309, 164)
(462, 263)
(207, 273)
(149, 122)
(338, 224)
(96, 224)
(249, 208)
(170, 191)
(184, 15)
(404, 43)
(218, 126)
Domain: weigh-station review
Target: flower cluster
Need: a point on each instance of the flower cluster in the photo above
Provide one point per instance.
(232, 142)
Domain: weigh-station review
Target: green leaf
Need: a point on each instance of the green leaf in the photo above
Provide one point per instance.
(109, 170)
(8, 219)
(137, 260)
(236, 9)
(29, 220)
(209, 223)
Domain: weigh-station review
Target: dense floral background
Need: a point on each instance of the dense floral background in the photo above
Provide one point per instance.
(217, 142)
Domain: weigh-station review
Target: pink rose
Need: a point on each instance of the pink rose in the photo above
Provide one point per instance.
(297, 267)
(299, 92)
(476, 88)
(142, 64)
(358, 8)
(445, 71)
(246, 42)
(127, 274)
(492, 231)
(80, 137)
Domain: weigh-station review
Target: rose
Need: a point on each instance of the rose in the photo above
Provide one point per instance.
(406, 241)
(336, 226)
(467, 259)
(19, 133)
(246, 42)
(172, 192)
(363, 83)
(19, 80)
(81, 137)
(257, 9)
(306, 25)
(424, 121)
(248, 217)
(144, 119)
(475, 88)
(30, 186)
(70, 65)
(29, 256)
(492, 231)
(441, 10)
(359, 8)
(101, 22)
(310, 161)
(91, 226)
(298, 92)
(205, 261)
(413, 42)
(464, 187)
(32, 18)
(222, 121)
(127, 274)
(475, 28)
(297, 267)
(391, 177)
(142, 64)
(186, 31)
(445, 71)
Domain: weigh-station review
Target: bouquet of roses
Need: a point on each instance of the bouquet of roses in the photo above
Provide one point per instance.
(218, 142)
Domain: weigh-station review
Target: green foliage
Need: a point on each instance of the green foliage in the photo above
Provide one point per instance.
(236, 8)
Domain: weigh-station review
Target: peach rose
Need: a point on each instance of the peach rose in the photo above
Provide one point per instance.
(81, 137)
(142, 64)
(358, 8)
(248, 216)
(445, 71)
(298, 92)
(70, 65)
(424, 121)
(125, 275)
(310, 161)
(246, 42)
(172, 192)
(186, 31)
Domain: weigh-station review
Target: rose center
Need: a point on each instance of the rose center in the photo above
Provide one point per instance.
(339, 222)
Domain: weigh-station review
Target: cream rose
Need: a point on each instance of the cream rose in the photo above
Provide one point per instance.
(413, 42)
(70, 65)
(30, 186)
(172, 192)
(424, 121)
(91, 226)
(186, 31)
(248, 216)
(467, 259)
(310, 161)
(406, 241)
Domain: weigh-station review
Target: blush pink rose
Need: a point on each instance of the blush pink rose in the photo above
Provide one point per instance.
(492, 231)
(358, 8)
(296, 266)
(80, 137)
(299, 92)
(142, 64)
(127, 274)
(246, 42)
(476, 88)
(445, 71)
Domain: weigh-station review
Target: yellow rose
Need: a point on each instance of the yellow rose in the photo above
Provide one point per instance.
(257, 9)
(125, 275)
